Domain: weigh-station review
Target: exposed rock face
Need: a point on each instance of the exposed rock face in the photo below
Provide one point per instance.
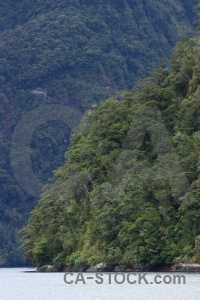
(102, 267)
(132, 268)
(75, 269)
(186, 267)
(39, 92)
(47, 269)
(120, 268)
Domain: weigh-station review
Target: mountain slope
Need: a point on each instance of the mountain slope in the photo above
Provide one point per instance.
(72, 54)
(129, 190)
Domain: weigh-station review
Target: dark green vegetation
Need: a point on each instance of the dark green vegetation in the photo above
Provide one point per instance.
(80, 52)
(123, 194)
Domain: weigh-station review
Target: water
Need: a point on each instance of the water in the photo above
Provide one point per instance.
(24, 284)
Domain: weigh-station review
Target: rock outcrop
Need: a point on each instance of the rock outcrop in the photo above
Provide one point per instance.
(47, 269)
(181, 267)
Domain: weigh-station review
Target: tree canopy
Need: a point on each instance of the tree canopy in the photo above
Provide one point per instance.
(129, 189)
(70, 53)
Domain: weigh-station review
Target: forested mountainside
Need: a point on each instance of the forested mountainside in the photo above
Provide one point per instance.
(70, 53)
(129, 192)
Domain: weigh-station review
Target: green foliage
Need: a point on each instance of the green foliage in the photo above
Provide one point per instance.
(121, 194)
(79, 52)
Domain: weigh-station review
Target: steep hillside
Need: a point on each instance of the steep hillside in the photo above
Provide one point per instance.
(70, 54)
(129, 190)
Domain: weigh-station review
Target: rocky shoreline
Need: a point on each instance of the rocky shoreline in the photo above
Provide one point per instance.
(102, 267)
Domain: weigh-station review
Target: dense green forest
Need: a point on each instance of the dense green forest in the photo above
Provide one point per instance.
(129, 191)
(73, 54)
